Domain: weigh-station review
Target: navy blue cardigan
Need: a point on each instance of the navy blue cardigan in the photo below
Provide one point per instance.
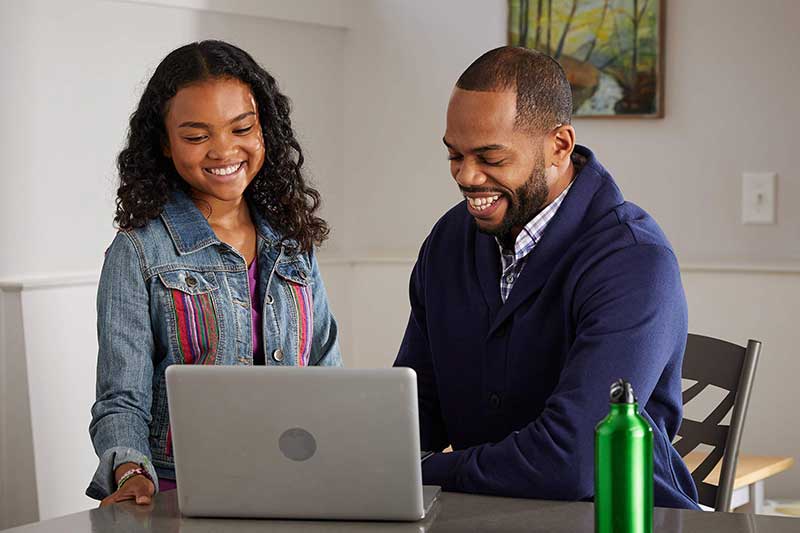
(517, 388)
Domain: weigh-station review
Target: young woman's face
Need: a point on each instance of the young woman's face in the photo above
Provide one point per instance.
(215, 139)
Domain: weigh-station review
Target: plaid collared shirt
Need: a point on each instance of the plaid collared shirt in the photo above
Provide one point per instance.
(513, 261)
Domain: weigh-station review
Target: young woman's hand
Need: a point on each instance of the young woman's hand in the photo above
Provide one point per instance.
(138, 488)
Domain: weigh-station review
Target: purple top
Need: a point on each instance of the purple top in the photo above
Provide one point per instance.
(258, 352)
(166, 484)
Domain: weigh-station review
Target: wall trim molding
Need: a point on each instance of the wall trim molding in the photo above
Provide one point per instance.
(50, 281)
(331, 14)
(788, 267)
(777, 267)
(86, 278)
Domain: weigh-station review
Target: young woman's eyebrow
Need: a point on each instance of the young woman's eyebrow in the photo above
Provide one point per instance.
(203, 125)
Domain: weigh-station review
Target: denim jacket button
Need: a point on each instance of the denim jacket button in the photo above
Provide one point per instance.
(190, 281)
(278, 355)
(269, 299)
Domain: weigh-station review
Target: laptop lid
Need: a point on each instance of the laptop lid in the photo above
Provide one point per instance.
(312, 442)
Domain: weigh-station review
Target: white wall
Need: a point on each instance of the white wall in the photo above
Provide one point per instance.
(402, 59)
(75, 71)
(332, 13)
(72, 74)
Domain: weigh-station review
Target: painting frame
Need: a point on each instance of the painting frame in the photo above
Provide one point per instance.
(643, 94)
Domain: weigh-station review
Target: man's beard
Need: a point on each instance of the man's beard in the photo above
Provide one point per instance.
(526, 202)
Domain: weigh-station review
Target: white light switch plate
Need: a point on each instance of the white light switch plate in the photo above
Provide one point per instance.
(758, 197)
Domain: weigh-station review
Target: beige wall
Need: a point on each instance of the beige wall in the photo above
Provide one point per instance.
(731, 85)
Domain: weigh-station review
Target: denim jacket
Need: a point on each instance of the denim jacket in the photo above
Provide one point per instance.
(173, 293)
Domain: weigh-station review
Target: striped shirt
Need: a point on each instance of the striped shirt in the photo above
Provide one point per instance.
(513, 261)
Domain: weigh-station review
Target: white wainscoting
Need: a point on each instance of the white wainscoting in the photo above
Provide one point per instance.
(50, 369)
(50, 355)
(18, 499)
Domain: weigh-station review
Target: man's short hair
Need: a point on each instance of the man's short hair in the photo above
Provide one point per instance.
(544, 97)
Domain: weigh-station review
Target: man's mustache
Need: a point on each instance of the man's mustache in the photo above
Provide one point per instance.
(467, 190)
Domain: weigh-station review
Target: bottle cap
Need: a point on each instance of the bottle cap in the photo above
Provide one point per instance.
(622, 392)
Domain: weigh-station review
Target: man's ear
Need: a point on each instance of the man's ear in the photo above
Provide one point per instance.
(563, 142)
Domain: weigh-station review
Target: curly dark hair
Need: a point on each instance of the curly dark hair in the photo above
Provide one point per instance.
(147, 177)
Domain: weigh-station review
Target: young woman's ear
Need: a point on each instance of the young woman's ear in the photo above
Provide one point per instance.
(165, 149)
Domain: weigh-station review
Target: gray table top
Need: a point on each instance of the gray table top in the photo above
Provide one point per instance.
(452, 512)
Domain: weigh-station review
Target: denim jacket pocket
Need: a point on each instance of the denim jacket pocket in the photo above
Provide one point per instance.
(194, 322)
(297, 278)
(189, 282)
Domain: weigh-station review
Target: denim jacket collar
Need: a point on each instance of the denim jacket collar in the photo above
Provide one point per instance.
(191, 232)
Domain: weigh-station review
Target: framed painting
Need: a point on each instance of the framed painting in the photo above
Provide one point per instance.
(611, 50)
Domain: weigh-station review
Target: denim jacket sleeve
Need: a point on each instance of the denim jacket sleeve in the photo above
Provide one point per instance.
(121, 412)
(325, 344)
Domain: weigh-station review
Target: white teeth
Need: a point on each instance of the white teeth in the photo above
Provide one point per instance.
(225, 171)
(482, 203)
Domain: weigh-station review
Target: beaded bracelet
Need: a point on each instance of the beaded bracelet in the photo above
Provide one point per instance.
(133, 472)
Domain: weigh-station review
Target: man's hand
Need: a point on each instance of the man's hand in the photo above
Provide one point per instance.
(138, 488)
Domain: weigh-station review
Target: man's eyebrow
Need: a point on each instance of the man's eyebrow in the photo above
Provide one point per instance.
(203, 125)
(480, 149)
(489, 148)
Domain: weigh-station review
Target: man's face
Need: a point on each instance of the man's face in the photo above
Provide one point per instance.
(499, 169)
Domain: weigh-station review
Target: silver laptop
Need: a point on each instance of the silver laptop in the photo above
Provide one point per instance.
(311, 443)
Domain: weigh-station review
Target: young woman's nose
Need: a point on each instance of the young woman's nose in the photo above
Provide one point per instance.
(223, 147)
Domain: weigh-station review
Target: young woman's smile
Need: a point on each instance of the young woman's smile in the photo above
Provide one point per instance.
(227, 172)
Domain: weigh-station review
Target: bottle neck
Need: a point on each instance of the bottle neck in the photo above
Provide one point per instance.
(624, 408)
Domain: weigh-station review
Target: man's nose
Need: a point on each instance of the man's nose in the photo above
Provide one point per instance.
(469, 174)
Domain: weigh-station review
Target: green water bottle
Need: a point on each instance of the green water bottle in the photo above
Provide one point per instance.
(623, 467)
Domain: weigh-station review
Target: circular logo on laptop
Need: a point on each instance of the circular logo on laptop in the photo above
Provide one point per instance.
(297, 444)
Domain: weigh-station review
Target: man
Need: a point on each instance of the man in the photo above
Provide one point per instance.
(533, 295)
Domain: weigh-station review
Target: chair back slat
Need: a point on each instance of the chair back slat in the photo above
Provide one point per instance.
(690, 393)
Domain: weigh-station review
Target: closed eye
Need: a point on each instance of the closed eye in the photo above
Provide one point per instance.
(496, 163)
(196, 139)
(453, 157)
(243, 131)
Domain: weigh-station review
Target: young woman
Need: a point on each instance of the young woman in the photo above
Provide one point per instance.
(214, 261)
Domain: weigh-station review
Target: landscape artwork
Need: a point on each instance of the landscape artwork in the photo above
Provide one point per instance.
(611, 50)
